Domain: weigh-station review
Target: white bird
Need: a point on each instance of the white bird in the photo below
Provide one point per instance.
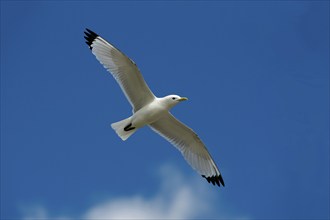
(151, 110)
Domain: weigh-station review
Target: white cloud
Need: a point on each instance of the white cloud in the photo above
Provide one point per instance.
(175, 200)
(178, 197)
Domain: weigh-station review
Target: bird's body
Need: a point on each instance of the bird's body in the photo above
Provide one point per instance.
(149, 110)
(147, 115)
(150, 113)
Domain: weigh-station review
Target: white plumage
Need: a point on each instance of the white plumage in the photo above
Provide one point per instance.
(151, 110)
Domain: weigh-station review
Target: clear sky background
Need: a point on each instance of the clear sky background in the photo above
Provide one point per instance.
(257, 77)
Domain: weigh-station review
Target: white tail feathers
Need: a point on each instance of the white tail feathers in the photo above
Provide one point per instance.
(119, 128)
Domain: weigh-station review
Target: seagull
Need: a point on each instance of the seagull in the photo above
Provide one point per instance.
(149, 110)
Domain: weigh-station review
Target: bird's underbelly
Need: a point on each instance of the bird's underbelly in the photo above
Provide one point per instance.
(147, 115)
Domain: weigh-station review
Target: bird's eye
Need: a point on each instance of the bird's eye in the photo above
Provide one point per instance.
(173, 98)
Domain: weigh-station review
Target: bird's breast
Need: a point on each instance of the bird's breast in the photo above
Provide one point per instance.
(148, 114)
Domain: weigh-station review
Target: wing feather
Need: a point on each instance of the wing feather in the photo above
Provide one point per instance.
(190, 145)
(122, 68)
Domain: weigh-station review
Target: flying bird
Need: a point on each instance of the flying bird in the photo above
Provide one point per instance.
(151, 110)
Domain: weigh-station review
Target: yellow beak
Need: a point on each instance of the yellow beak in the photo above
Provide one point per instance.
(182, 99)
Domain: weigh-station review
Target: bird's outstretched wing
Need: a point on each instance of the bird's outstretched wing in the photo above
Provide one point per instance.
(191, 147)
(123, 69)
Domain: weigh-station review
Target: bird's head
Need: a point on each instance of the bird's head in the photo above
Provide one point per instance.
(172, 100)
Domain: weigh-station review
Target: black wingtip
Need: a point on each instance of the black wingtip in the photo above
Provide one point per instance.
(215, 180)
(221, 180)
(90, 37)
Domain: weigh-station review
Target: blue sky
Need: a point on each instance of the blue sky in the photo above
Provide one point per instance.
(257, 78)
